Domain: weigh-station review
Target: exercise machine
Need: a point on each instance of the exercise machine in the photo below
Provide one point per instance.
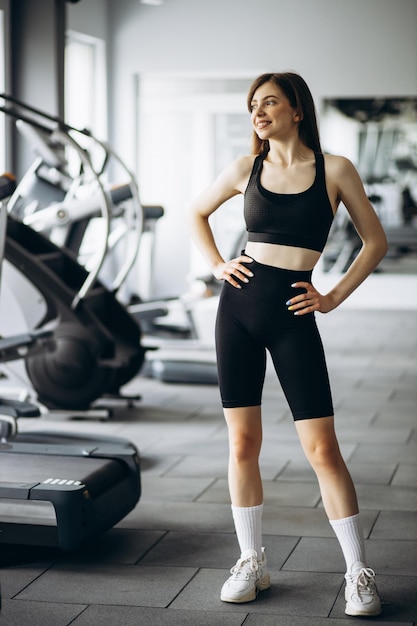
(98, 343)
(58, 490)
(191, 359)
(61, 491)
(65, 209)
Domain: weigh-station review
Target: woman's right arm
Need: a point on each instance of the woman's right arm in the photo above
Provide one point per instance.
(232, 181)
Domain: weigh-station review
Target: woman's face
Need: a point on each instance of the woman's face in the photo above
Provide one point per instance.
(272, 114)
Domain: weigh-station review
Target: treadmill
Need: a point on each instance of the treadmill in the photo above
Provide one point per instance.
(58, 490)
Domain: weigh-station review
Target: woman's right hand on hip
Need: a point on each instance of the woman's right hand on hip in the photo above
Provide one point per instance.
(234, 271)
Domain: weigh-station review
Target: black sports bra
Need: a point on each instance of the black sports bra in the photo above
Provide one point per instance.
(301, 219)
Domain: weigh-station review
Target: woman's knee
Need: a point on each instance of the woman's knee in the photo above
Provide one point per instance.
(245, 447)
(320, 444)
(245, 431)
(324, 454)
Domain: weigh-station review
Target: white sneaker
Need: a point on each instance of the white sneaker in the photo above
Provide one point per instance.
(361, 594)
(248, 577)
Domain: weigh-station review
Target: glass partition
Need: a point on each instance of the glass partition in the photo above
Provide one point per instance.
(379, 135)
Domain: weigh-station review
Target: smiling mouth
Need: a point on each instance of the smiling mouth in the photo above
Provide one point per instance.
(261, 125)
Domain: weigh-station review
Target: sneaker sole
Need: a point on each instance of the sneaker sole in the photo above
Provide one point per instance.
(359, 613)
(263, 584)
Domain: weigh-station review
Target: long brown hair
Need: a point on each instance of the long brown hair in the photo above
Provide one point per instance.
(299, 95)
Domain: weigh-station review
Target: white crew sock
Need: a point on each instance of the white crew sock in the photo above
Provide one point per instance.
(350, 536)
(248, 525)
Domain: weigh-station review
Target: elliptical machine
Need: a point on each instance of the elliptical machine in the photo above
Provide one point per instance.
(98, 343)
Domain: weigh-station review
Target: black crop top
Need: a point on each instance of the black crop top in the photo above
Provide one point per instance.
(300, 219)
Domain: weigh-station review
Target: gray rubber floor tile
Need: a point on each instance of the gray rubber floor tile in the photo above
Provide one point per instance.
(116, 585)
(373, 433)
(316, 555)
(393, 557)
(396, 525)
(194, 550)
(307, 522)
(413, 438)
(324, 555)
(281, 493)
(19, 613)
(180, 439)
(295, 521)
(387, 497)
(291, 593)
(181, 516)
(217, 492)
(205, 465)
(398, 596)
(298, 471)
(200, 438)
(276, 493)
(115, 547)
(136, 616)
(157, 464)
(406, 475)
(393, 417)
(14, 579)
(282, 620)
(173, 488)
(358, 418)
(371, 473)
(278, 451)
(220, 550)
(367, 452)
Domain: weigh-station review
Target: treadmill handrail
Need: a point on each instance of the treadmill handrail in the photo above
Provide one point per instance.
(51, 118)
(136, 222)
(105, 210)
(136, 214)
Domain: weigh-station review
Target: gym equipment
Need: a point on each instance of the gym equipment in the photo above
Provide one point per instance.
(55, 491)
(98, 343)
(59, 207)
(67, 186)
(191, 360)
(58, 490)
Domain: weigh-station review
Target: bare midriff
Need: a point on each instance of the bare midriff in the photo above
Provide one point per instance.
(285, 257)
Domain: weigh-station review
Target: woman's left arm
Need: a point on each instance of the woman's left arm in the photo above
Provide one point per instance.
(350, 190)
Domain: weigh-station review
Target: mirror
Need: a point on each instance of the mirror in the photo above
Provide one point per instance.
(379, 135)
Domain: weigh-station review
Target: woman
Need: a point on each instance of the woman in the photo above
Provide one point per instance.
(291, 193)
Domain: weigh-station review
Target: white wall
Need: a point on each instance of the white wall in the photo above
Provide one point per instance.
(341, 47)
(88, 17)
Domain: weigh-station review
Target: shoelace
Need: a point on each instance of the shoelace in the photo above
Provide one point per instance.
(240, 571)
(364, 580)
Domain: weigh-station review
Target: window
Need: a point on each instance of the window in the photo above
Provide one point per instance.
(202, 124)
(85, 83)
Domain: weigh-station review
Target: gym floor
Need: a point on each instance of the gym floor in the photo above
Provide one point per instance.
(164, 564)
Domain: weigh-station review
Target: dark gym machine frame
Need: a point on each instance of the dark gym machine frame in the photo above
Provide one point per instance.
(66, 490)
(98, 343)
(196, 365)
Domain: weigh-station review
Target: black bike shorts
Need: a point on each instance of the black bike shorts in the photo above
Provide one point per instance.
(254, 319)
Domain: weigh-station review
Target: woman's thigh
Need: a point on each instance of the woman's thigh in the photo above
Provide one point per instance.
(299, 360)
(241, 357)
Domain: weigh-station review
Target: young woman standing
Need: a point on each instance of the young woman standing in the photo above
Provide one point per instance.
(268, 302)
